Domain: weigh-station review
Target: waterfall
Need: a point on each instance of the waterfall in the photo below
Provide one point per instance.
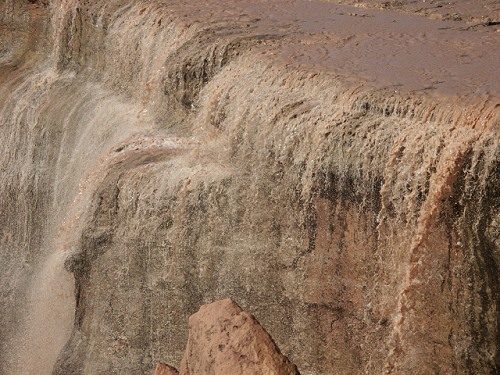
(302, 158)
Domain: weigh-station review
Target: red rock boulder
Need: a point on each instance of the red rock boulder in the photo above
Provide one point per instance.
(223, 339)
(163, 369)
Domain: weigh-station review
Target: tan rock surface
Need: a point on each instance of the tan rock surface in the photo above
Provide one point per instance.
(224, 339)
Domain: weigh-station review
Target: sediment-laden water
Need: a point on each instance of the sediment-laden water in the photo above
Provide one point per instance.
(333, 169)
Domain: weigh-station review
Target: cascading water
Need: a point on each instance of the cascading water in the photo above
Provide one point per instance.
(301, 158)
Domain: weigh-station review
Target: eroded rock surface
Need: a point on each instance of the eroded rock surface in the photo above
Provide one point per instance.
(333, 168)
(224, 339)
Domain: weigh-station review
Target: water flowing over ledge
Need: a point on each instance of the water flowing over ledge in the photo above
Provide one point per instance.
(334, 169)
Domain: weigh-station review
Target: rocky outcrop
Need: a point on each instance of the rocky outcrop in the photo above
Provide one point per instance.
(332, 168)
(164, 369)
(223, 339)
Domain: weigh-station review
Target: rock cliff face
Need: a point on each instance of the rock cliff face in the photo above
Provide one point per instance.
(334, 169)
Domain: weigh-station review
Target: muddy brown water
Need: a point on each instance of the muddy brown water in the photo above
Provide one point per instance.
(332, 168)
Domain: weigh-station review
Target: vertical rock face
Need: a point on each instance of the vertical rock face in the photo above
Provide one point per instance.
(334, 169)
(223, 339)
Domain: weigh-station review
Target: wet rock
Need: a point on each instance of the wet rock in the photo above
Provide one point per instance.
(224, 339)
